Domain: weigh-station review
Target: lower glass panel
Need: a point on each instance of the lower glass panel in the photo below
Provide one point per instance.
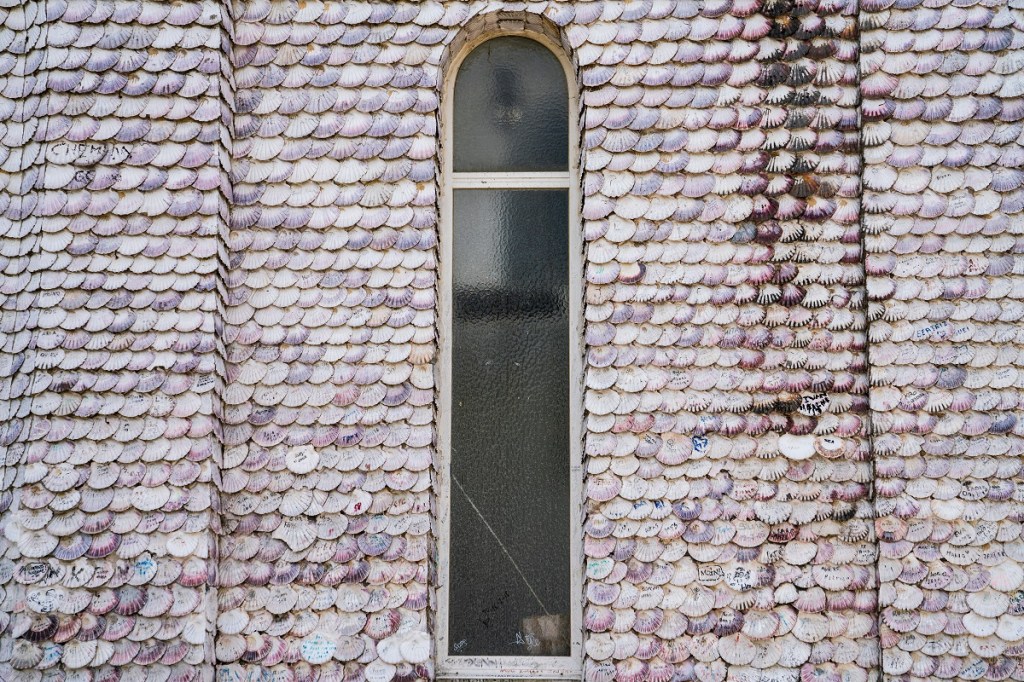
(509, 561)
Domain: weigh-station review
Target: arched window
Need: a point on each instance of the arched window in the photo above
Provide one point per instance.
(511, 366)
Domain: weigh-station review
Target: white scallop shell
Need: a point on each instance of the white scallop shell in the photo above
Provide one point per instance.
(416, 647)
(796, 447)
(302, 460)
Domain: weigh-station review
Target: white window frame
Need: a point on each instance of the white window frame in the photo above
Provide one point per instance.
(511, 667)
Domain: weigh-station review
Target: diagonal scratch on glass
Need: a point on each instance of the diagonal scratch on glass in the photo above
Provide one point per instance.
(500, 544)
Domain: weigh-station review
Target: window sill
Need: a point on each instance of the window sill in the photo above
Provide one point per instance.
(509, 668)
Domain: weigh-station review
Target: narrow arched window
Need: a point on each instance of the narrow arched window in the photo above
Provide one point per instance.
(510, 366)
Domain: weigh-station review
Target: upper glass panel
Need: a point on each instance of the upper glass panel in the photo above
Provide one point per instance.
(511, 109)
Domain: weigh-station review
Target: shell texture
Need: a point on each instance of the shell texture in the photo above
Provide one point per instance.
(943, 240)
(720, 156)
(114, 220)
(330, 337)
(726, 347)
(219, 253)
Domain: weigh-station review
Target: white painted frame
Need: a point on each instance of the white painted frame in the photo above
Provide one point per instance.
(510, 667)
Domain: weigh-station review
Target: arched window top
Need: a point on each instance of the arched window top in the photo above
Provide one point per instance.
(511, 109)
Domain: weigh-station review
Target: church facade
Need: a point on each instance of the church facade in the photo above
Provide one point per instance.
(791, 281)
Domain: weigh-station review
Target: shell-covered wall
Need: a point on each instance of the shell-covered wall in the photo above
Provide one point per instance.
(728, 529)
(219, 247)
(330, 335)
(727, 521)
(109, 545)
(943, 87)
(22, 114)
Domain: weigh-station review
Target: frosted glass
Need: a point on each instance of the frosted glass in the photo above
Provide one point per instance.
(509, 578)
(511, 109)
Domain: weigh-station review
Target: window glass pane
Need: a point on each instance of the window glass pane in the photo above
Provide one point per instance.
(511, 109)
(509, 559)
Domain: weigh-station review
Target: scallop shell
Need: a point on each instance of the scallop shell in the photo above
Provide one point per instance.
(760, 625)
(78, 654)
(796, 447)
(25, 655)
(696, 601)
(1006, 577)
(988, 603)
(737, 649)
(416, 647)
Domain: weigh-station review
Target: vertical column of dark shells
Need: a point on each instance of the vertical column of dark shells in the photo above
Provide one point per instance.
(23, 118)
(728, 530)
(113, 520)
(944, 168)
(330, 327)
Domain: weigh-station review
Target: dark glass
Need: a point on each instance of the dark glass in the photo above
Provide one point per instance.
(511, 109)
(509, 589)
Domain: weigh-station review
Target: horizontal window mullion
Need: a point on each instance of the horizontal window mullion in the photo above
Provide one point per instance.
(558, 180)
